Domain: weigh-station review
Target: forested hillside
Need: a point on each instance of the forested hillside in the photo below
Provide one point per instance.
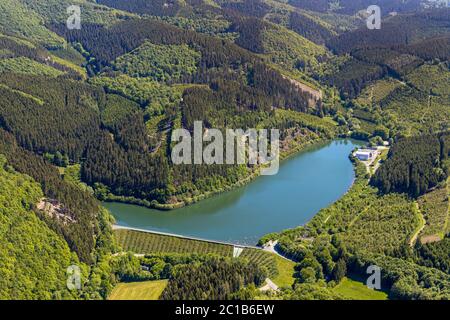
(367, 228)
(34, 258)
(88, 114)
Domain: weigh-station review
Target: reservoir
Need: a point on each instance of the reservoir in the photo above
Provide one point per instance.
(307, 182)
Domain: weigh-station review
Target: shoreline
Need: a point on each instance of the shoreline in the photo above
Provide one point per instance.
(258, 243)
(251, 177)
(272, 236)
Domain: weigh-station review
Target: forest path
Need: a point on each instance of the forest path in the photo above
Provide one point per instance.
(271, 247)
(419, 230)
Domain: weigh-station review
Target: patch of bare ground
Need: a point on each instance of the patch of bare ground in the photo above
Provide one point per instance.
(316, 95)
(55, 210)
(430, 239)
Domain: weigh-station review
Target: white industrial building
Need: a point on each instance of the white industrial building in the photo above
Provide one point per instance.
(364, 155)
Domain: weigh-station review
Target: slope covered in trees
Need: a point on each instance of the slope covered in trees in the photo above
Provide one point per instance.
(366, 228)
(90, 112)
(161, 63)
(353, 6)
(398, 48)
(222, 81)
(399, 30)
(33, 258)
(216, 279)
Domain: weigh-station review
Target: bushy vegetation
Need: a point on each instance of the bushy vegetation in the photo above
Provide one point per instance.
(27, 66)
(356, 290)
(161, 63)
(154, 96)
(406, 279)
(21, 56)
(360, 229)
(310, 291)
(351, 7)
(309, 28)
(431, 78)
(413, 112)
(89, 113)
(155, 7)
(401, 30)
(292, 52)
(376, 92)
(56, 10)
(353, 76)
(117, 109)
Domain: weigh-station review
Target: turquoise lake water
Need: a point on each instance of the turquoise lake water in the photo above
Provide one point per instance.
(305, 183)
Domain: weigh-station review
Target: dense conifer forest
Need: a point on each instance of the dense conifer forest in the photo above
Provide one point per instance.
(413, 166)
(216, 279)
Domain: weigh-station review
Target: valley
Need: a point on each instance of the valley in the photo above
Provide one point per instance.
(88, 116)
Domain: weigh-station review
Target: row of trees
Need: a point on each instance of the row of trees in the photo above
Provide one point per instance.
(405, 279)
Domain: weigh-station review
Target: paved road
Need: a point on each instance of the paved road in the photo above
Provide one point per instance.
(271, 247)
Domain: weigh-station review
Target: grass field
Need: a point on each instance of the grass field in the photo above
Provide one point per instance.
(357, 290)
(285, 276)
(146, 290)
